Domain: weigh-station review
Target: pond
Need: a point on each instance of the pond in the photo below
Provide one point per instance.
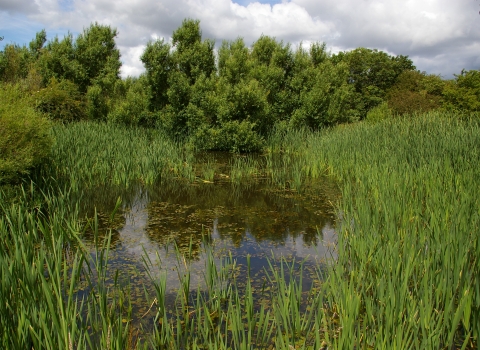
(253, 219)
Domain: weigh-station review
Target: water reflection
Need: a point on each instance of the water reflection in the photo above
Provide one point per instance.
(255, 220)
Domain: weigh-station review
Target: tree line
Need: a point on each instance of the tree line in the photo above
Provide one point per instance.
(225, 99)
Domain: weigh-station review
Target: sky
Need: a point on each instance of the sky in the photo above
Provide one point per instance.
(440, 36)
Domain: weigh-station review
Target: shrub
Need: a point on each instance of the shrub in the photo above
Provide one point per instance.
(25, 137)
(463, 94)
(60, 101)
(97, 107)
(379, 113)
(232, 136)
(415, 92)
(132, 110)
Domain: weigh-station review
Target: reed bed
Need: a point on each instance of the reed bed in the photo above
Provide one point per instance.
(43, 267)
(56, 294)
(91, 154)
(408, 231)
(232, 315)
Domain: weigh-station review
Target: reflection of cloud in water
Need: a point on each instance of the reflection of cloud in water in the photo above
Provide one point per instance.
(132, 235)
(298, 241)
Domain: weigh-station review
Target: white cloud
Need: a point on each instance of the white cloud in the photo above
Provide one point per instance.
(441, 36)
(132, 66)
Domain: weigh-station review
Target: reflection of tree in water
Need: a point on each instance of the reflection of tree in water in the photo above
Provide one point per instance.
(176, 223)
(106, 225)
(185, 213)
(101, 202)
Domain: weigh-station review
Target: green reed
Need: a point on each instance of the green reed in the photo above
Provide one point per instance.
(408, 243)
(89, 154)
(245, 168)
(229, 314)
(44, 266)
(56, 293)
(406, 274)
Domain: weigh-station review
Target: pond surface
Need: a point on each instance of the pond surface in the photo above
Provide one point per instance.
(253, 219)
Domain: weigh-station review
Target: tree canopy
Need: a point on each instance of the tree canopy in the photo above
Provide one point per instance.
(228, 98)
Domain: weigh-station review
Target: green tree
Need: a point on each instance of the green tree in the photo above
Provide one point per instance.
(234, 62)
(327, 100)
(91, 62)
(37, 44)
(14, 63)
(191, 55)
(158, 64)
(372, 73)
(57, 60)
(98, 58)
(60, 100)
(131, 102)
(173, 74)
(273, 68)
(463, 94)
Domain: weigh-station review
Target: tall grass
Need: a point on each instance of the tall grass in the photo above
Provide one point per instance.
(56, 296)
(43, 266)
(229, 314)
(90, 154)
(408, 233)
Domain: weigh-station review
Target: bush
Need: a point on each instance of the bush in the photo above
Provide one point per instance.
(415, 92)
(463, 94)
(232, 136)
(25, 137)
(379, 113)
(60, 101)
(131, 106)
(97, 108)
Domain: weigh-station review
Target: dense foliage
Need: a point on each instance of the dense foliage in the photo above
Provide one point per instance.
(406, 268)
(25, 137)
(229, 99)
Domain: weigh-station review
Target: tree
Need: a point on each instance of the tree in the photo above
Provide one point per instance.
(58, 60)
(91, 62)
(234, 61)
(463, 94)
(372, 73)
(173, 73)
(36, 45)
(98, 58)
(327, 100)
(415, 91)
(158, 63)
(14, 63)
(192, 57)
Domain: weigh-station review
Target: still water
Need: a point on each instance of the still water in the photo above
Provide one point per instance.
(254, 219)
